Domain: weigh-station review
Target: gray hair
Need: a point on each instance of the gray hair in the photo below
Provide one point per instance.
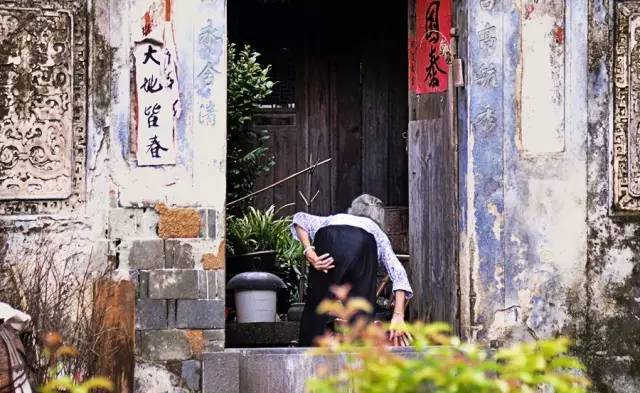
(368, 206)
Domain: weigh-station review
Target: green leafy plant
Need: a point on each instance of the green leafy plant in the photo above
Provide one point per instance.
(57, 356)
(291, 264)
(261, 230)
(248, 86)
(256, 230)
(440, 363)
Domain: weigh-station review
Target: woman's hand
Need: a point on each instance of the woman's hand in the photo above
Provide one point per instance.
(397, 334)
(321, 263)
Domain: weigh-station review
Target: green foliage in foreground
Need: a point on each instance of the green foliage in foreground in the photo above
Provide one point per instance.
(56, 355)
(442, 363)
(66, 384)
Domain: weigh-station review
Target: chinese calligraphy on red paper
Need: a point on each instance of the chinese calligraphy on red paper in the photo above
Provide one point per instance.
(427, 65)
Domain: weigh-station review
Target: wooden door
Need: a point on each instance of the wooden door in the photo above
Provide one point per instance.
(350, 102)
(433, 204)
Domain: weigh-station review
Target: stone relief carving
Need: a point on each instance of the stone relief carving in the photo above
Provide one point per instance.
(42, 106)
(626, 131)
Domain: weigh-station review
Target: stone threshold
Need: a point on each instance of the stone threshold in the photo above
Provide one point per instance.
(259, 370)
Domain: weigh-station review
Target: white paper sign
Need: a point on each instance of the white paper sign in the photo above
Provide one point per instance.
(158, 101)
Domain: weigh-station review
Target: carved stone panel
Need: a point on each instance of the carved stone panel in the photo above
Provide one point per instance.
(42, 106)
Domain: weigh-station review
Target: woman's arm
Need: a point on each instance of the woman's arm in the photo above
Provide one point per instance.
(401, 288)
(308, 222)
(393, 266)
(396, 334)
(323, 262)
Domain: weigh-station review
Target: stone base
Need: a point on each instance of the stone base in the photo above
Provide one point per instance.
(282, 370)
(257, 335)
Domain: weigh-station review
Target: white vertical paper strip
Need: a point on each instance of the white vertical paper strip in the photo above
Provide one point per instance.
(157, 92)
(542, 73)
(156, 140)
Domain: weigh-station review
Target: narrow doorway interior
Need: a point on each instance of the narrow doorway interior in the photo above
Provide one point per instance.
(341, 93)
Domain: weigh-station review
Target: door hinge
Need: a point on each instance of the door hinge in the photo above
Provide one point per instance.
(458, 72)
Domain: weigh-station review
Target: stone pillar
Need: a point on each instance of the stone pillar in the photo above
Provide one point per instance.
(168, 221)
(550, 179)
(523, 165)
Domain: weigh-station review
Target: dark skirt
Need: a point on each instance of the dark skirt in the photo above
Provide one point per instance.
(356, 262)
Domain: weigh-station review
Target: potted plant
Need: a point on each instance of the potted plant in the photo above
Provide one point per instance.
(252, 241)
(291, 263)
(261, 241)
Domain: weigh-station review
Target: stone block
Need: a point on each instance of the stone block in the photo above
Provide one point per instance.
(212, 216)
(213, 346)
(156, 377)
(179, 254)
(103, 254)
(214, 340)
(171, 313)
(214, 335)
(221, 285)
(177, 284)
(221, 372)
(196, 339)
(142, 290)
(151, 314)
(200, 314)
(143, 254)
(127, 223)
(191, 374)
(134, 277)
(215, 284)
(187, 253)
(163, 345)
(204, 227)
(123, 223)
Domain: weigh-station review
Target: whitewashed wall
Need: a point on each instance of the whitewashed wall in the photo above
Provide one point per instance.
(116, 217)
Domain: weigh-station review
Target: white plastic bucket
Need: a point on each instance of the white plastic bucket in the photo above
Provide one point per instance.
(256, 306)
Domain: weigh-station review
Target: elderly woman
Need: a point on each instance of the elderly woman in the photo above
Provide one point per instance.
(346, 249)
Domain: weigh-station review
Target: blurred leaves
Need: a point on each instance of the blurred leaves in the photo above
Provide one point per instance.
(440, 362)
(58, 381)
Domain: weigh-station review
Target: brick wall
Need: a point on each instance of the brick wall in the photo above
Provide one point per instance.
(180, 288)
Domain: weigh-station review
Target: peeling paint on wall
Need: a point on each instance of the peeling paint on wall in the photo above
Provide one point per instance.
(543, 183)
(484, 166)
(542, 76)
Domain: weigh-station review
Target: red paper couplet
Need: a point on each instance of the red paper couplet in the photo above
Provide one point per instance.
(428, 68)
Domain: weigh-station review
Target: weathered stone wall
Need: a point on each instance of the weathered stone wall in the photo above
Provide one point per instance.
(545, 249)
(612, 318)
(162, 227)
